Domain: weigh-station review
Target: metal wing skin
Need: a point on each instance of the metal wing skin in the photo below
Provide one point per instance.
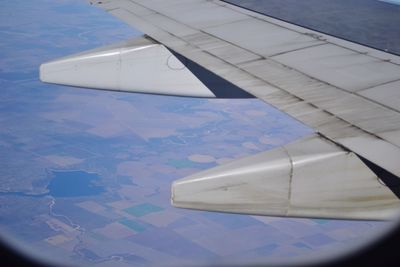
(348, 93)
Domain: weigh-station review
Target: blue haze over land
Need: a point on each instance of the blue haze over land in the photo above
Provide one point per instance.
(85, 175)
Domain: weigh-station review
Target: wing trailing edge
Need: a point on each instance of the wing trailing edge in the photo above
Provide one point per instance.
(312, 177)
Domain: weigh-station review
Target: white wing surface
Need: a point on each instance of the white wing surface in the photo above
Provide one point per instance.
(348, 93)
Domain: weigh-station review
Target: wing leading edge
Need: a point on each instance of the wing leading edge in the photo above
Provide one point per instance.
(327, 83)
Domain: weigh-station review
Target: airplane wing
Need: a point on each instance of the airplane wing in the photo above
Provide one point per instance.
(347, 92)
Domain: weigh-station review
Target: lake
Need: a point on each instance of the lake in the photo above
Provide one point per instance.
(74, 184)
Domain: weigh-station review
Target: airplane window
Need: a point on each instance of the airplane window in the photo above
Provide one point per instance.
(85, 176)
